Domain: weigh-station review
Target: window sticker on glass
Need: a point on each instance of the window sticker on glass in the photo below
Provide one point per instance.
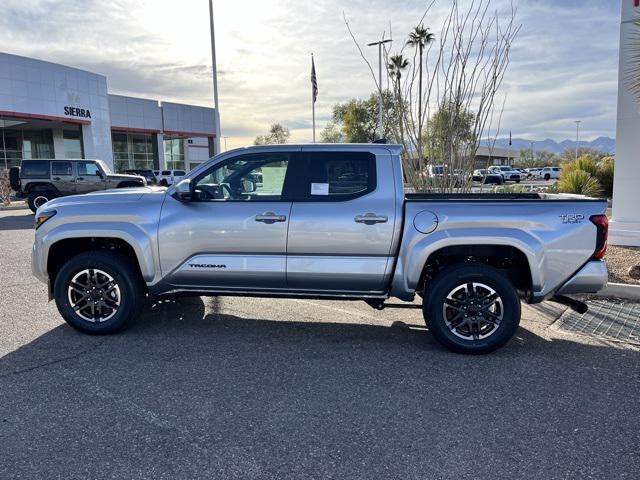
(319, 189)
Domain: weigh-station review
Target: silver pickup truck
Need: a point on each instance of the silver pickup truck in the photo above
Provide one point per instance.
(321, 221)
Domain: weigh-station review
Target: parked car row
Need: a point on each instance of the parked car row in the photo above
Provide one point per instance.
(42, 180)
(159, 177)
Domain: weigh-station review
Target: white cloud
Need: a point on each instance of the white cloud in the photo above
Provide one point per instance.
(563, 64)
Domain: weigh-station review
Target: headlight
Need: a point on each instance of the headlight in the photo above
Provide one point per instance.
(43, 217)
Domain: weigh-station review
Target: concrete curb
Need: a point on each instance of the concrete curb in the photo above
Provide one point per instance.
(15, 206)
(620, 290)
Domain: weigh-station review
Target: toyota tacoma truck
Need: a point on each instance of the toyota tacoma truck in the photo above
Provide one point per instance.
(321, 221)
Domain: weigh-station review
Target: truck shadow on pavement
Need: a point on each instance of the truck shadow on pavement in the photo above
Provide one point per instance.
(199, 392)
(17, 222)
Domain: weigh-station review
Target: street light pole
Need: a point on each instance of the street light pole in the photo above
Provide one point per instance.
(215, 80)
(380, 107)
(577, 135)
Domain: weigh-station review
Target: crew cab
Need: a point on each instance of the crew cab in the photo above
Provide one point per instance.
(42, 180)
(325, 221)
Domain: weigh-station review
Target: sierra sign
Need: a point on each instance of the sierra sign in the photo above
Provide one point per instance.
(77, 112)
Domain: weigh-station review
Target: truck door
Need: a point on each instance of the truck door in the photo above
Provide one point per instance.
(342, 223)
(62, 176)
(232, 235)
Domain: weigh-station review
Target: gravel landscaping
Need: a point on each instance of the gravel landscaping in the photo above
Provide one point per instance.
(619, 259)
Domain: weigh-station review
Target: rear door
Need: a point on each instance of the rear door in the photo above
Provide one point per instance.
(63, 177)
(342, 223)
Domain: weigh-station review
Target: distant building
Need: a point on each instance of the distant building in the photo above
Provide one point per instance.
(53, 111)
(486, 156)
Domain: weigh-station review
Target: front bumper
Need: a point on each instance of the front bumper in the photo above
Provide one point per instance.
(591, 278)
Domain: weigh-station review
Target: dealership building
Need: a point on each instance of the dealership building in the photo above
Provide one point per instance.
(54, 111)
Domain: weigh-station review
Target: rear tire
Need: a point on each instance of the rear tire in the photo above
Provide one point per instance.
(471, 308)
(98, 292)
(37, 199)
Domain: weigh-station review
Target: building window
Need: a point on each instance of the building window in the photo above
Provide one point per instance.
(174, 153)
(72, 143)
(37, 144)
(132, 151)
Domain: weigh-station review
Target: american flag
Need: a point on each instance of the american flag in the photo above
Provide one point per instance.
(314, 81)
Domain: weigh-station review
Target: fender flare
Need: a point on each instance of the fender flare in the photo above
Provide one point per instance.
(138, 239)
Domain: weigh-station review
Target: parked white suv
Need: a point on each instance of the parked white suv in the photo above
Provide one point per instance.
(550, 172)
(169, 177)
(507, 172)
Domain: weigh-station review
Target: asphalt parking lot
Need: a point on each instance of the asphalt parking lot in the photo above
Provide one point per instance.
(255, 388)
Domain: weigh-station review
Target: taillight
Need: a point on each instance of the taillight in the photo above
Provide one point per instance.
(602, 224)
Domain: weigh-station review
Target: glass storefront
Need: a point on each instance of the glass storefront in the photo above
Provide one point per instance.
(132, 150)
(73, 143)
(20, 139)
(174, 153)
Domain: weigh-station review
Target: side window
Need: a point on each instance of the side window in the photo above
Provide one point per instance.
(87, 169)
(61, 169)
(35, 169)
(340, 175)
(254, 177)
(180, 173)
(166, 172)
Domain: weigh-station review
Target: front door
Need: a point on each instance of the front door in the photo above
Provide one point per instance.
(342, 226)
(88, 177)
(62, 177)
(232, 235)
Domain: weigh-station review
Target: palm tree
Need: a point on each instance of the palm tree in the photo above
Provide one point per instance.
(397, 63)
(420, 37)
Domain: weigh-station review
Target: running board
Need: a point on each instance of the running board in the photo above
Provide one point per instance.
(377, 304)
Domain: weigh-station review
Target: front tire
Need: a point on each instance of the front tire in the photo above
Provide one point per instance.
(98, 292)
(547, 177)
(37, 199)
(471, 308)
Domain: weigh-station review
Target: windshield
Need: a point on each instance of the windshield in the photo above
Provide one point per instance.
(105, 168)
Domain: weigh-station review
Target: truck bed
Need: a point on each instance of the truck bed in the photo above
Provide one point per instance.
(492, 197)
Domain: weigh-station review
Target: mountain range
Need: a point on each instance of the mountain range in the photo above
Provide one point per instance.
(602, 144)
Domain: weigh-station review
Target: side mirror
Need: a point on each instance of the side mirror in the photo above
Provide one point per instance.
(183, 190)
(249, 186)
(100, 174)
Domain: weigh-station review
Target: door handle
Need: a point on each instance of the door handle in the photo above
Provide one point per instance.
(270, 217)
(80, 178)
(56, 178)
(370, 218)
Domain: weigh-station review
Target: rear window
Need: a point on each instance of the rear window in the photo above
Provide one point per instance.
(340, 176)
(61, 168)
(35, 169)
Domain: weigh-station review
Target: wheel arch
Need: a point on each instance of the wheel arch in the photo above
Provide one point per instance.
(418, 254)
(41, 187)
(135, 245)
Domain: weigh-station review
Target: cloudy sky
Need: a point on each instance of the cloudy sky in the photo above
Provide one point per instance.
(563, 63)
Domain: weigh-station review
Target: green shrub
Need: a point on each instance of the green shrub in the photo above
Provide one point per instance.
(605, 175)
(579, 182)
(586, 163)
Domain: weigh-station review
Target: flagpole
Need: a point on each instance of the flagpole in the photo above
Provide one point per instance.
(313, 108)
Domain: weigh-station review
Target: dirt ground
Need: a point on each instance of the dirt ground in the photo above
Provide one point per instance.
(619, 259)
